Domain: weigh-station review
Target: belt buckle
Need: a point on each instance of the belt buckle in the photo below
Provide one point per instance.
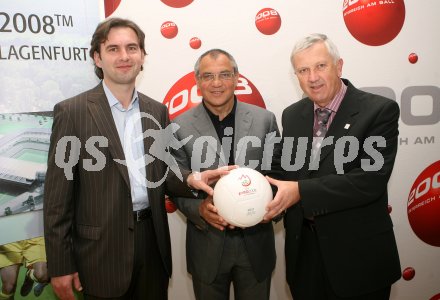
(138, 215)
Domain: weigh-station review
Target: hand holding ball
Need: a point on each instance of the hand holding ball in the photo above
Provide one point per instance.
(241, 197)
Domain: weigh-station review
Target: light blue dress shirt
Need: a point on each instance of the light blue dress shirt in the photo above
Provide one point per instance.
(129, 126)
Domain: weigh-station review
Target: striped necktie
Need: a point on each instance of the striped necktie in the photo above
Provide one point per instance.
(320, 129)
(322, 116)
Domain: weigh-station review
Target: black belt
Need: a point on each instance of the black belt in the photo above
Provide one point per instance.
(142, 214)
(310, 224)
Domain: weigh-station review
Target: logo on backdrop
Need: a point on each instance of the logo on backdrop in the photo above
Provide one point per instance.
(424, 205)
(184, 94)
(374, 23)
(268, 21)
(169, 29)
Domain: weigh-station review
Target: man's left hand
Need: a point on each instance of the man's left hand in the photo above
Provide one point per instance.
(286, 196)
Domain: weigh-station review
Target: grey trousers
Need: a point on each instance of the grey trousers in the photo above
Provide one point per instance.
(234, 268)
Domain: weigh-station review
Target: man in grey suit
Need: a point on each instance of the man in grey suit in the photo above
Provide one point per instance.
(221, 129)
(105, 224)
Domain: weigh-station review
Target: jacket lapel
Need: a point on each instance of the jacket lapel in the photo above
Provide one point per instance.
(344, 119)
(147, 123)
(306, 131)
(243, 122)
(101, 113)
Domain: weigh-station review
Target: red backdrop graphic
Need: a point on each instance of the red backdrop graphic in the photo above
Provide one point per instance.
(435, 297)
(424, 205)
(169, 29)
(408, 273)
(374, 23)
(195, 43)
(110, 6)
(413, 58)
(177, 3)
(170, 206)
(268, 21)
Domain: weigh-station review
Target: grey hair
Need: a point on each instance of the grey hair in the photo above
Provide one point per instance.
(312, 39)
(214, 53)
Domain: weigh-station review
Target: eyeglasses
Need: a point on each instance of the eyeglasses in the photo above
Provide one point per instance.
(306, 71)
(206, 77)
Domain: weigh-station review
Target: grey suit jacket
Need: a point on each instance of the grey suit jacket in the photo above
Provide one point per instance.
(204, 243)
(88, 221)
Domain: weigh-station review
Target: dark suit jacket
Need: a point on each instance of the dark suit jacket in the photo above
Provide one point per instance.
(354, 229)
(204, 243)
(88, 221)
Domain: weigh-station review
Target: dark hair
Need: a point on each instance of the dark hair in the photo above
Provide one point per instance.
(214, 53)
(101, 35)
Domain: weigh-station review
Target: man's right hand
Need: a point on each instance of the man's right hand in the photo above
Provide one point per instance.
(203, 180)
(210, 214)
(62, 286)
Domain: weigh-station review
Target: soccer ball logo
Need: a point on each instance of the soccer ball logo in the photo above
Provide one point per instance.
(245, 180)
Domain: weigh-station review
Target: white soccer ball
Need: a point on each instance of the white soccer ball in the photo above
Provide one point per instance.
(241, 197)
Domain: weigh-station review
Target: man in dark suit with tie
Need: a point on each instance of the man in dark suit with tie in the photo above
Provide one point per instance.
(106, 228)
(220, 129)
(340, 242)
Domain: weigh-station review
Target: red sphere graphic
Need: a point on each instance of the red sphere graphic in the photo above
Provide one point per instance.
(170, 206)
(195, 43)
(435, 297)
(413, 58)
(184, 94)
(374, 23)
(390, 208)
(177, 3)
(169, 29)
(408, 273)
(110, 6)
(268, 21)
(424, 205)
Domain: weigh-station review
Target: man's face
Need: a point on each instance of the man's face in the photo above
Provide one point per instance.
(121, 57)
(318, 75)
(217, 90)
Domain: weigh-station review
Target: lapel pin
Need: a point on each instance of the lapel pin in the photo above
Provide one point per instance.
(347, 126)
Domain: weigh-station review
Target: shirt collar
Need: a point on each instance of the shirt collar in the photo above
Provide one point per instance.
(212, 115)
(336, 101)
(113, 102)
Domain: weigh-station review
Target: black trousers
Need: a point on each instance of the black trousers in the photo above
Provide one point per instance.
(149, 280)
(234, 268)
(311, 281)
